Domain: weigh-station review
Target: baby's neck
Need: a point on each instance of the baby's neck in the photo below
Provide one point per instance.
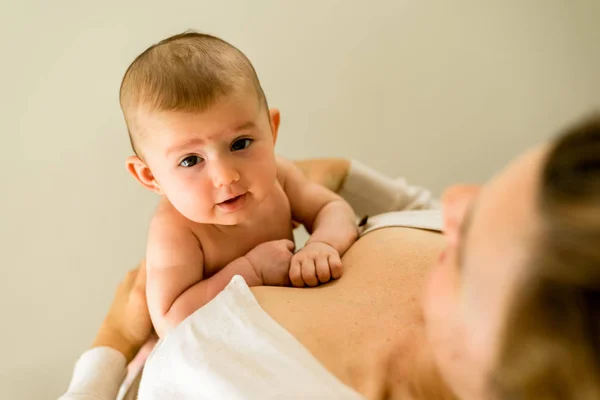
(231, 230)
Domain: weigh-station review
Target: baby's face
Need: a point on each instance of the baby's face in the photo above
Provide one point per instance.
(214, 166)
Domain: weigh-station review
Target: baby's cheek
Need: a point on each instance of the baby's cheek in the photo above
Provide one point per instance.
(265, 167)
(192, 202)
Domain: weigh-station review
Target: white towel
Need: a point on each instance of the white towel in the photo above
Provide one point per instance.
(232, 349)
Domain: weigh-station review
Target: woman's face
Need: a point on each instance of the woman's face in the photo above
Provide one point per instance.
(489, 232)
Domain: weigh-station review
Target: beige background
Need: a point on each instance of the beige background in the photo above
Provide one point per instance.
(438, 91)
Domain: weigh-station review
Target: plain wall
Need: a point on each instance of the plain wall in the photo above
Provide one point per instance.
(437, 91)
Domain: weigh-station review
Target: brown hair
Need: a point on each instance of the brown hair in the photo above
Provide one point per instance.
(185, 72)
(551, 344)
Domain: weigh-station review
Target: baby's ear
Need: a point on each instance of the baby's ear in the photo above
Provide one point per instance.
(141, 173)
(274, 119)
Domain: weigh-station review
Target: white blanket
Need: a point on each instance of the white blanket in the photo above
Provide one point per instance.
(231, 349)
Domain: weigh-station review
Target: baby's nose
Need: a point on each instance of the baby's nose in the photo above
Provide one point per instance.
(224, 175)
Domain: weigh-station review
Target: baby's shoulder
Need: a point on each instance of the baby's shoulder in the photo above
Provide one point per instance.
(286, 171)
(167, 219)
(283, 166)
(171, 241)
(165, 211)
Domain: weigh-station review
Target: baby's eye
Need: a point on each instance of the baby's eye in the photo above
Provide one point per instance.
(241, 144)
(190, 161)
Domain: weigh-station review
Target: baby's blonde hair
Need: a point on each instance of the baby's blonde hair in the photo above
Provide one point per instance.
(186, 72)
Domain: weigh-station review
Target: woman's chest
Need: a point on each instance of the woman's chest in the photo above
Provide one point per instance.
(355, 326)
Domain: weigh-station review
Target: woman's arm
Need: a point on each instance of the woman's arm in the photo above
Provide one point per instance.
(100, 371)
(368, 191)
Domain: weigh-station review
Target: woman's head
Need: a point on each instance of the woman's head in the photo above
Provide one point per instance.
(513, 306)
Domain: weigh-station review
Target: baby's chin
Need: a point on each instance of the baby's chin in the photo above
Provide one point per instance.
(230, 219)
(236, 212)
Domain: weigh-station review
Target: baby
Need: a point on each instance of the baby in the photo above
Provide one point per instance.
(204, 140)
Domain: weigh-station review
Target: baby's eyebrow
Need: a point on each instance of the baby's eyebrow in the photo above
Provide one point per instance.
(245, 126)
(198, 141)
(179, 148)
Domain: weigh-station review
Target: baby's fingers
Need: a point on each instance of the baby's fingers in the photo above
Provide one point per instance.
(335, 264)
(296, 273)
(323, 272)
(309, 274)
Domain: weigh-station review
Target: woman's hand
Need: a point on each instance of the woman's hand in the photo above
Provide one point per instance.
(328, 172)
(127, 326)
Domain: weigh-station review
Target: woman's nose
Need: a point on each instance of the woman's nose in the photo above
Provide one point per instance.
(224, 173)
(455, 201)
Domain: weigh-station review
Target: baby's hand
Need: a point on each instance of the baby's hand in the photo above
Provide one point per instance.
(316, 262)
(271, 261)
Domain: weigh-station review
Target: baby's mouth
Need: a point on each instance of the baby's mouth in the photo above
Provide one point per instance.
(231, 200)
(233, 204)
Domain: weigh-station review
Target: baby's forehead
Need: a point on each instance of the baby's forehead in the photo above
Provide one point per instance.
(223, 119)
(245, 97)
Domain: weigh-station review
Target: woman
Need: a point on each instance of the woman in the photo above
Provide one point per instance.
(509, 310)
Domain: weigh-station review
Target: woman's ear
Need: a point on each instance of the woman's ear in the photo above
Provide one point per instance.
(141, 173)
(275, 119)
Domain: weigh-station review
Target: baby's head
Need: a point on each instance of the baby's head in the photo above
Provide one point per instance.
(200, 127)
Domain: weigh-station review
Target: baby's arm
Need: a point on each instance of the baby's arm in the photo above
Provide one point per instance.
(328, 218)
(175, 273)
(368, 191)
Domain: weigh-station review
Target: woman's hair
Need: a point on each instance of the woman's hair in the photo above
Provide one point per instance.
(550, 348)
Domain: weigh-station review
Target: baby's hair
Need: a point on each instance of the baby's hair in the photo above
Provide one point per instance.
(186, 72)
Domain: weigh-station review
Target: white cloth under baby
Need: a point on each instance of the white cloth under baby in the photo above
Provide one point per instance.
(232, 349)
